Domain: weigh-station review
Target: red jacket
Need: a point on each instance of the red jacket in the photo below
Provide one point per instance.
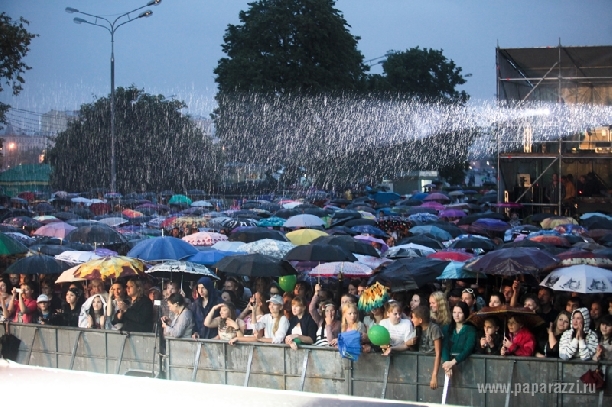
(523, 343)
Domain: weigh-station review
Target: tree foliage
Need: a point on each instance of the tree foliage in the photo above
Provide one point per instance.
(157, 147)
(454, 173)
(290, 45)
(14, 46)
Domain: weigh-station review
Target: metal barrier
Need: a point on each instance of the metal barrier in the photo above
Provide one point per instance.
(404, 376)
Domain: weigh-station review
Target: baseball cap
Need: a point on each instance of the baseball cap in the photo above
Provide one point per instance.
(276, 299)
(42, 298)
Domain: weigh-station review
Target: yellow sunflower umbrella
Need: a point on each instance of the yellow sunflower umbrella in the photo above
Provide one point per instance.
(304, 236)
(110, 268)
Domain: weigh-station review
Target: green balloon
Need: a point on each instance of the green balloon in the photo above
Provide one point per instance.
(379, 335)
(287, 283)
(298, 341)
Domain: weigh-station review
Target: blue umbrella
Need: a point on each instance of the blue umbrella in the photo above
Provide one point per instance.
(273, 221)
(210, 257)
(349, 344)
(423, 217)
(455, 271)
(162, 248)
(420, 196)
(386, 197)
(435, 231)
(370, 230)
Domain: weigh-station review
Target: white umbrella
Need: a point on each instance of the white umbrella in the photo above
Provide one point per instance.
(68, 276)
(202, 204)
(304, 221)
(371, 261)
(228, 246)
(580, 278)
(80, 199)
(204, 238)
(333, 269)
(182, 267)
(268, 247)
(114, 221)
(76, 257)
(291, 205)
(424, 249)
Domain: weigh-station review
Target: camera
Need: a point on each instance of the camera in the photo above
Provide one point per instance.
(18, 290)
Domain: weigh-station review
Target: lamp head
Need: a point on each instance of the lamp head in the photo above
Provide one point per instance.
(79, 20)
(71, 10)
(154, 3)
(144, 14)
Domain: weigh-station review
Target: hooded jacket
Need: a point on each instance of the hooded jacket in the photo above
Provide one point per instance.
(199, 312)
(570, 347)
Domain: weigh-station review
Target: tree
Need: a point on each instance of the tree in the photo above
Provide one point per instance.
(290, 45)
(454, 173)
(157, 147)
(425, 74)
(14, 46)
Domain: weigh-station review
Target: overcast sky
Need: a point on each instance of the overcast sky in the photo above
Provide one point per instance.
(175, 51)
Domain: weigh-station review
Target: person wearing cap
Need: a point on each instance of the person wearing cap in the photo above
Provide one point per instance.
(44, 309)
(272, 327)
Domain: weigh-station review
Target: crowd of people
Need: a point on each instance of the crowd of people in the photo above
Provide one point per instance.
(446, 323)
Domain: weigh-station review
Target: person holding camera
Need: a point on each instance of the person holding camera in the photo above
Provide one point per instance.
(23, 307)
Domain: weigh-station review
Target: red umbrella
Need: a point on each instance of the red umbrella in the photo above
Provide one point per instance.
(550, 239)
(574, 257)
(456, 255)
(27, 195)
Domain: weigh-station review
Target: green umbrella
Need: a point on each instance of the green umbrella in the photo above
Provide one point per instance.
(179, 200)
(10, 247)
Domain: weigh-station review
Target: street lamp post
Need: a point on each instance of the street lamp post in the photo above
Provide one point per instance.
(112, 27)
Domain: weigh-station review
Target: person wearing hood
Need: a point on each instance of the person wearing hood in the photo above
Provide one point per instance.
(579, 341)
(93, 313)
(208, 297)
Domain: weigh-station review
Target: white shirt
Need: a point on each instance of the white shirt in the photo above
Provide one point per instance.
(401, 332)
(267, 324)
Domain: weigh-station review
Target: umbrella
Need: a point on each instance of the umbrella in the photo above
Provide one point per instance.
(130, 213)
(45, 219)
(469, 219)
(360, 222)
(269, 247)
(180, 200)
(271, 222)
(423, 217)
(550, 239)
(398, 252)
(341, 268)
(454, 271)
(304, 221)
(435, 231)
(227, 246)
(254, 234)
(162, 248)
(319, 252)
(202, 204)
(372, 262)
(420, 196)
(67, 276)
(66, 215)
(10, 246)
(452, 213)
(370, 230)
(37, 264)
(451, 255)
(204, 238)
(316, 211)
(374, 296)
(76, 256)
(386, 197)
(456, 193)
(27, 240)
(110, 268)
(551, 223)
(44, 207)
(514, 261)
(114, 221)
(189, 270)
(393, 224)
(433, 205)
(473, 242)
(286, 213)
(371, 239)
(436, 196)
(581, 278)
(421, 270)
(98, 234)
(23, 222)
(530, 319)
(234, 223)
(421, 240)
(55, 229)
(575, 257)
(495, 225)
(209, 257)
(347, 243)
(304, 236)
(597, 222)
(254, 265)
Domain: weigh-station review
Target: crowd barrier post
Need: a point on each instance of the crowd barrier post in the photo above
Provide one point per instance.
(304, 367)
(74, 348)
(249, 364)
(510, 377)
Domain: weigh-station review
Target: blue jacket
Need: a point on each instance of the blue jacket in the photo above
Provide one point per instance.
(199, 312)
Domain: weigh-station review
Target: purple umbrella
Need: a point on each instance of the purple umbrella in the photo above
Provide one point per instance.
(452, 213)
(492, 224)
(434, 205)
(436, 196)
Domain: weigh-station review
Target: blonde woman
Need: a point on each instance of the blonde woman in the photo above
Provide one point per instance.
(350, 322)
(439, 310)
(272, 327)
(229, 327)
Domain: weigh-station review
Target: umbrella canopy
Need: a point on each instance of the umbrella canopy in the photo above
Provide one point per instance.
(162, 248)
(386, 197)
(202, 204)
(422, 240)
(68, 276)
(10, 246)
(407, 251)
(435, 231)
(347, 243)
(451, 255)
(304, 221)
(421, 218)
(44, 207)
(269, 247)
(495, 225)
(581, 278)
(110, 268)
(228, 246)
(187, 270)
(98, 234)
(180, 200)
(452, 213)
(204, 238)
(37, 264)
(473, 242)
(23, 222)
(436, 196)
(27, 240)
(574, 257)
(550, 239)
(76, 257)
(319, 252)
(370, 230)
(360, 222)
(271, 222)
(254, 234)
(254, 265)
(420, 269)
(530, 319)
(469, 219)
(286, 213)
(114, 221)
(232, 224)
(551, 223)
(55, 229)
(454, 271)
(433, 205)
(304, 236)
(209, 257)
(337, 268)
(514, 261)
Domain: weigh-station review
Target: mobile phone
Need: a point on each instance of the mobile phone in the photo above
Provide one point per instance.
(18, 290)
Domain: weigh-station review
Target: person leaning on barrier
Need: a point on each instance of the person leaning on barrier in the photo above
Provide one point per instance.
(459, 339)
(550, 349)
(301, 325)
(429, 341)
(400, 330)
(272, 327)
(182, 323)
(579, 341)
(139, 316)
(208, 297)
(45, 313)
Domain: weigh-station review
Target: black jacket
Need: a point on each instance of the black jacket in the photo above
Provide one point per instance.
(138, 317)
(308, 325)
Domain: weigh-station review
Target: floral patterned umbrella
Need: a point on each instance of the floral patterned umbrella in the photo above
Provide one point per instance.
(204, 238)
(268, 247)
(110, 267)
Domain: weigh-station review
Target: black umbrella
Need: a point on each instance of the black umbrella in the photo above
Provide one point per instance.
(420, 269)
(286, 213)
(347, 243)
(409, 202)
(467, 220)
(450, 228)
(97, 234)
(254, 234)
(66, 216)
(597, 222)
(360, 222)
(346, 214)
(423, 241)
(413, 210)
(316, 211)
(83, 213)
(44, 207)
(525, 243)
(341, 230)
(37, 264)
(319, 252)
(50, 249)
(254, 265)
(472, 242)
(514, 261)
